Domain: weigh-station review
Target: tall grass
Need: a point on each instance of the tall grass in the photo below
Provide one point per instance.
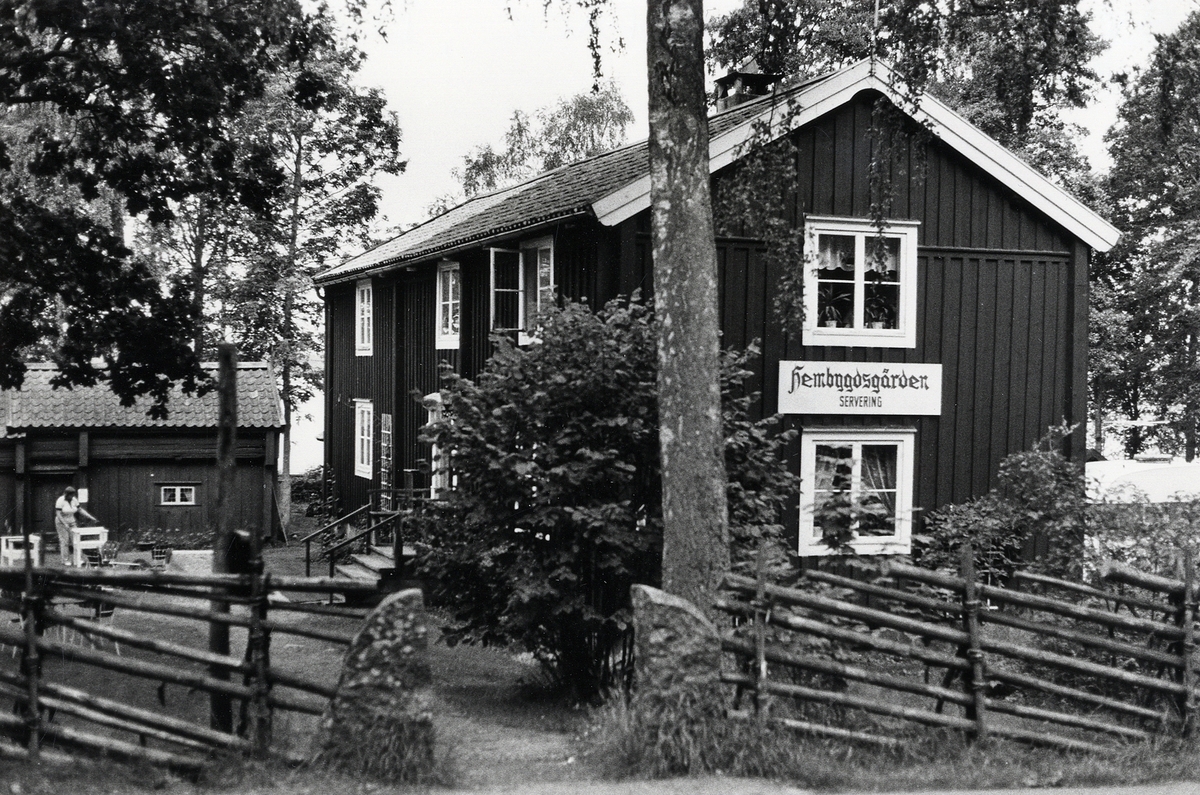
(390, 748)
(687, 734)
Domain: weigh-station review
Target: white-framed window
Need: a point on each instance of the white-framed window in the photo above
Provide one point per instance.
(857, 485)
(449, 303)
(364, 438)
(364, 319)
(522, 285)
(441, 477)
(860, 289)
(177, 495)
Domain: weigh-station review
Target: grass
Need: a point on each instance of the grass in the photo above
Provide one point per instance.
(686, 734)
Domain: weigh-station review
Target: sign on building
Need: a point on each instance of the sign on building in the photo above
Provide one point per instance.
(859, 388)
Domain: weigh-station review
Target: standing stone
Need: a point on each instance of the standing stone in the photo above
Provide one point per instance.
(380, 721)
(676, 647)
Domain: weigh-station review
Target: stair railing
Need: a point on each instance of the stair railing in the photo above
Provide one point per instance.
(347, 541)
(308, 539)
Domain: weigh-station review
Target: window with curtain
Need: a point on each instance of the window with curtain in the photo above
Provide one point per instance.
(856, 488)
(860, 286)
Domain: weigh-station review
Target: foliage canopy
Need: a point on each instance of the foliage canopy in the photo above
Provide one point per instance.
(557, 509)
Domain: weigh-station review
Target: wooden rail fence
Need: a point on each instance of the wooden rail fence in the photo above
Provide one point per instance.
(1100, 665)
(39, 599)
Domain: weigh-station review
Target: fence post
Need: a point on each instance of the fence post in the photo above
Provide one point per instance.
(974, 680)
(1187, 646)
(220, 706)
(31, 664)
(259, 649)
(761, 611)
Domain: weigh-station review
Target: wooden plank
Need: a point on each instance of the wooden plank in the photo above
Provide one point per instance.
(146, 717)
(816, 728)
(867, 705)
(1087, 590)
(1082, 696)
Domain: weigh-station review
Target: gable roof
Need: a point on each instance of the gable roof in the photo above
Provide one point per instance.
(39, 405)
(615, 185)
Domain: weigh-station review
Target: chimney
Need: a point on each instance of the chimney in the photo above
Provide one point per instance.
(743, 83)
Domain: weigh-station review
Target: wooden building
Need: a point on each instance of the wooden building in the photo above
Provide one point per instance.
(133, 472)
(914, 374)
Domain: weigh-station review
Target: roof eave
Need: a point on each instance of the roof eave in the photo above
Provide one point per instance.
(453, 247)
(827, 95)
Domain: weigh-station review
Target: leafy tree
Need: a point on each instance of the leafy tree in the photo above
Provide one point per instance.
(1006, 65)
(1153, 276)
(558, 507)
(138, 99)
(571, 130)
(328, 138)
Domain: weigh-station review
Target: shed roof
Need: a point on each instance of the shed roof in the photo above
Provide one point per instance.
(39, 405)
(616, 185)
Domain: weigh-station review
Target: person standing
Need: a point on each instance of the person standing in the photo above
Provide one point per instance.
(65, 509)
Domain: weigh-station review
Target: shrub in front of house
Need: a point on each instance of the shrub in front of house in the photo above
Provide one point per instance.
(1039, 494)
(557, 508)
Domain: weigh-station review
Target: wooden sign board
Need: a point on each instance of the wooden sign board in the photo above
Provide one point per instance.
(859, 388)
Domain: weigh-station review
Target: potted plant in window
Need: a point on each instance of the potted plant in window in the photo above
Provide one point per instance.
(832, 306)
(878, 311)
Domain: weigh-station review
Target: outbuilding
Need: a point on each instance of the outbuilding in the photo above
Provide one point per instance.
(131, 471)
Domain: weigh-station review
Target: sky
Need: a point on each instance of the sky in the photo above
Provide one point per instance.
(455, 70)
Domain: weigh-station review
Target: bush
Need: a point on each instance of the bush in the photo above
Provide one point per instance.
(1040, 493)
(557, 510)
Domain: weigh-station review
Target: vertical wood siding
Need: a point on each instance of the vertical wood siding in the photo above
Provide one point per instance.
(1001, 305)
(350, 377)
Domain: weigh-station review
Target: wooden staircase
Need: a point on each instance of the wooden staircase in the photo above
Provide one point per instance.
(377, 563)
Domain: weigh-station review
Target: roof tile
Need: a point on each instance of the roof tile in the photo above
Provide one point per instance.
(39, 405)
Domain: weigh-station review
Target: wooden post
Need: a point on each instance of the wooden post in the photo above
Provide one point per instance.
(220, 705)
(761, 616)
(31, 664)
(974, 680)
(1187, 646)
(258, 649)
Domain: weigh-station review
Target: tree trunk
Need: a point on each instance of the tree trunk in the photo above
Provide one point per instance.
(284, 359)
(691, 439)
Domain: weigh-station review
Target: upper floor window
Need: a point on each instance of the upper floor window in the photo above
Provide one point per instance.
(860, 287)
(856, 485)
(449, 301)
(364, 438)
(364, 319)
(522, 284)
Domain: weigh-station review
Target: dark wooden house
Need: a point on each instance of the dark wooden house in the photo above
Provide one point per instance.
(916, 370)
(133, 472)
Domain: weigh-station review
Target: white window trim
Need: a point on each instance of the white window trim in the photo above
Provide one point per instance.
(527, 335)
(447, 340)
(898, 544)
(177, 490)
(364, 438)
(905, 336)
(441, 477)
(364, 318)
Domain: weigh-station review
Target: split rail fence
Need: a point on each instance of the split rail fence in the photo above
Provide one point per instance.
(1078, 670)
(38, 600)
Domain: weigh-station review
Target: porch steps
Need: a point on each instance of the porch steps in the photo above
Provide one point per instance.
(373, 565)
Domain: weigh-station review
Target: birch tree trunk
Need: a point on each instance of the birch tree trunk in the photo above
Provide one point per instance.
(695, 518)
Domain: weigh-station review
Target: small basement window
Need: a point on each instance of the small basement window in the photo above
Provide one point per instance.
(856, 484)
(177, 495)
(860, 288)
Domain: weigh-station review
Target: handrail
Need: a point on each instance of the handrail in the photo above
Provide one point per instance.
(307, 540)
(335, 523)
(350, 539)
